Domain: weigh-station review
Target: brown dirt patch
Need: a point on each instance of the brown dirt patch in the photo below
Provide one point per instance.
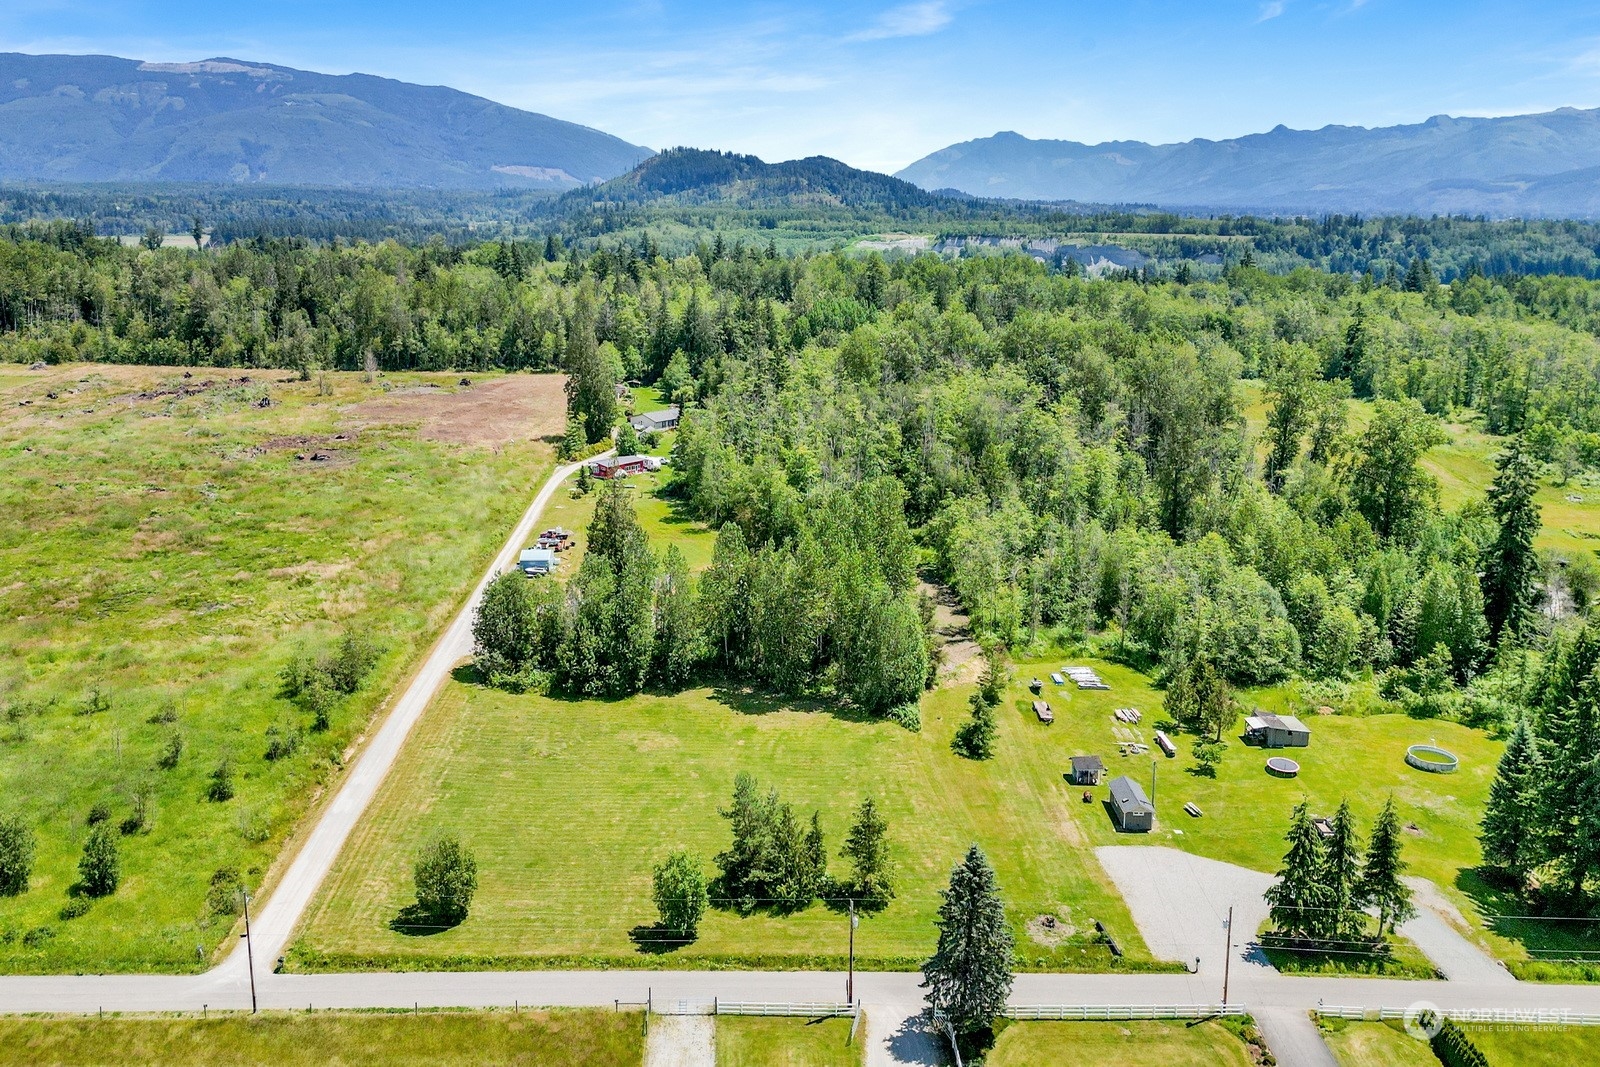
(1052, 930)
(489, 412)
(961, 661)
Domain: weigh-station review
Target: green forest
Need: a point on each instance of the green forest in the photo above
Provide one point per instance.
(1072, 456)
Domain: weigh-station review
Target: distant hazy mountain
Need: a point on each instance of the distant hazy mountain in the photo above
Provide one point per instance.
(98, 118)
(1522, 165)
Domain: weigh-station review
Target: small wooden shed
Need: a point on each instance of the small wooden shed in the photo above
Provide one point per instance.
(1086, 770)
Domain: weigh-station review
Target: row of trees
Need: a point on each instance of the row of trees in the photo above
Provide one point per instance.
(775, 863)
(1327, 882)
(831, 608)
(1541, 828)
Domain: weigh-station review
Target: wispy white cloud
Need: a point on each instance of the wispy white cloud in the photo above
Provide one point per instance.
(908, 20)
(1271, 10)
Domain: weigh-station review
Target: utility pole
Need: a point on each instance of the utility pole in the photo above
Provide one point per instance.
(249, 951)
(1227, 957)
(850, 979)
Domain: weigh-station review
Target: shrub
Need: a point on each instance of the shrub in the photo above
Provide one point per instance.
(95, 703)
(1455, 1049)
(220, 788)
(223, 897)
(166, 716)
(75, 908)
(446, 877)
(139, 818)
(99, 813)
(351, 662)
(908, 715)
(38, 936)
(100, 867)
(282, 742)
(171, 750)
(16, 855)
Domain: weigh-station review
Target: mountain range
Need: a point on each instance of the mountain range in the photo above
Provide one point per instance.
(100, 118)
(1524, 165)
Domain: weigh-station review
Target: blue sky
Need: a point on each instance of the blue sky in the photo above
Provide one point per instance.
(879, 84)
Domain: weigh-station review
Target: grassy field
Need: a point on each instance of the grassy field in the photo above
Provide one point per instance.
(1127, 1044)
(661, 517)
(569, 804)
(168, 543)
(582, 1038)
(1375, 1045)
(753, 1042)
(1533, 1046)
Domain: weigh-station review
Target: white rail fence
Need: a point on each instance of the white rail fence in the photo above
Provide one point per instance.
(791, 1009)
(1118, 1012)
(1529, 1016)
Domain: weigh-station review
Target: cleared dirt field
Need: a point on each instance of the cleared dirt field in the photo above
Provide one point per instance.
(490, 411)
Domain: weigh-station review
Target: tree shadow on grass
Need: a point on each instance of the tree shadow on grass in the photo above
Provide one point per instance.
(413, 921)
(468, 674)
(749, 701)
(657, 940)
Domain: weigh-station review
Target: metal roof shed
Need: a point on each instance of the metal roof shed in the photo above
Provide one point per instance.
(1130, 807)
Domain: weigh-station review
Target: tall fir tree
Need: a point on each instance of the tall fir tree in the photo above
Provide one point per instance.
(1297, 899)
(867, 848)
(1510, 566)
(1382, 876)
(591, 381)
(969, 977)
(1341, 877)
(1510, 820)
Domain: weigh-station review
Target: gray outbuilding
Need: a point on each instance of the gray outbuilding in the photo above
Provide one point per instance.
(1130, 807)
(1276, 731)
(1086, 770)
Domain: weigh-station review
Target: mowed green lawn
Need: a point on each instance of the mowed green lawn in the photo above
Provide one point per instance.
(1375, 1045)
(1245, 809)
(560, 1038)
(1532, 1046)
(744, 1041)
(1126, 1044)
(171, 552)
(661, 517)
(569, 804)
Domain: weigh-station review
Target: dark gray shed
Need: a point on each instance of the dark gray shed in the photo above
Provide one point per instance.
(1086, 770)
(1130, 807)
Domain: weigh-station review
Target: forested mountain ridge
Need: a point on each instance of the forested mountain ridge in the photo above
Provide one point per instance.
(102, 118)
(1524, 165)
(695, 175)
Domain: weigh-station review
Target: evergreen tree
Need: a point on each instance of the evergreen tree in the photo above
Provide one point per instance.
(1341, 877)
(16, 855)
(1217, 710)
(1510, 820)
(591, 382)
(747, 867)
(975, 738)
(679, 890)
(100, 867)
(969, 977)
(867, 848)
(1382, 876)
(1297, 898)
(1181, 702)
(1510, 566)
